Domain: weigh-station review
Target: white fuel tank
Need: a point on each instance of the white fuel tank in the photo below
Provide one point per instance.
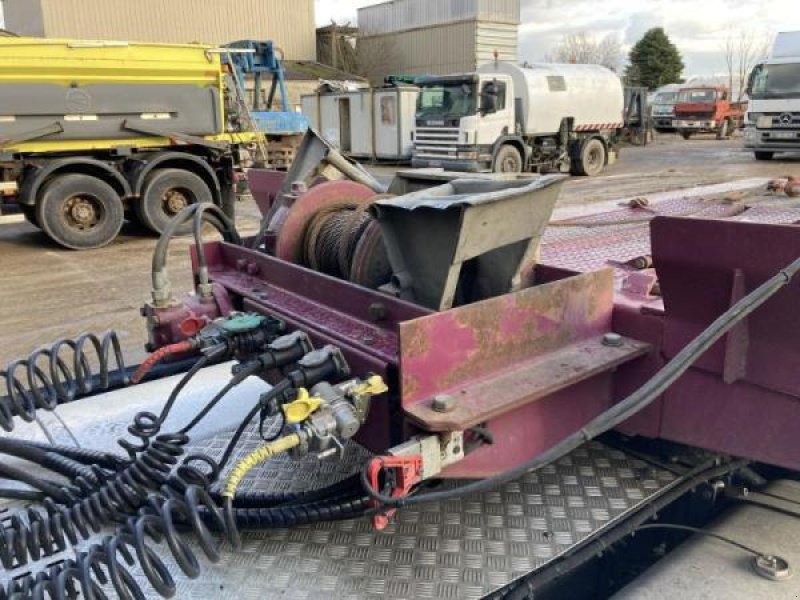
(546, 93)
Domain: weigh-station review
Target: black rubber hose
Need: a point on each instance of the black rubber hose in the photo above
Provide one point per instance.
(50, 461)
(622, 411)
(260, 499)
(279, 388)
(86, 456)
(237, 379)
(50, 488)
(528, 587)
(216, 218)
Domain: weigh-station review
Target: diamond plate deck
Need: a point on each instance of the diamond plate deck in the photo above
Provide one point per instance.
(460, 549)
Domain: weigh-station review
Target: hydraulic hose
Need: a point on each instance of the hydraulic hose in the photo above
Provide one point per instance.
(620, 412)
(211, 214)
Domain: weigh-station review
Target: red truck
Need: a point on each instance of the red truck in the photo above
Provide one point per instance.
(707, 109)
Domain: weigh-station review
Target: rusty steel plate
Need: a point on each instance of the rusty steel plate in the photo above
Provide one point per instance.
(289, 243)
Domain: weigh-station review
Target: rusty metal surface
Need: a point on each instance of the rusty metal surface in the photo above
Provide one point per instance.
(264, 185)
(443, 351)
(481, 401)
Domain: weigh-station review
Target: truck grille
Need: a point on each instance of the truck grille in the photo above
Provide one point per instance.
(435, 142)
(702, 114)
(787, 120)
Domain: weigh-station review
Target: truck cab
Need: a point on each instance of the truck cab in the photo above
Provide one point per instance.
(706, 109)
(663, 107)
(460, 118)
(773, 118)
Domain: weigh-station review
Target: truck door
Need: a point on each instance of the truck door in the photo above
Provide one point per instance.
(496, 116)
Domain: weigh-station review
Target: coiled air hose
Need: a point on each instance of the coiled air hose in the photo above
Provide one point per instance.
(58, 373)
(620, 412)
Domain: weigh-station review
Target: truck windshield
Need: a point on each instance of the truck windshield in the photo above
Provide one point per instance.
(776, 81)
(665, 98)
(450, 100)
(697, 96)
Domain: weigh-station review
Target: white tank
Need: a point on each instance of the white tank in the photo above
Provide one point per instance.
(546, 93)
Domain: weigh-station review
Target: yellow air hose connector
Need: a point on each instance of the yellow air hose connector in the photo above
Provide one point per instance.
(255, 458)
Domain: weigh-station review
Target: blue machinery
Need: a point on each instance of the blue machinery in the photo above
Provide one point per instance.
(261, 59)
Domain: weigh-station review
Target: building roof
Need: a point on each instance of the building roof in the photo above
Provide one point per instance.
(307, 70)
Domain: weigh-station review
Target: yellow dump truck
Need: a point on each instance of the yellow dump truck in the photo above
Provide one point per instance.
(94, 132)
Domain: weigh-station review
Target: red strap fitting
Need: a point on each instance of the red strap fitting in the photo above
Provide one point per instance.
(407, 472)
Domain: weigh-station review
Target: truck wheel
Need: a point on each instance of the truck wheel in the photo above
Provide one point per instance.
(29, 212)
(79, 211)
(762, 155)
(507, 160)
(166, 193)
(592, 159)
(686, 135)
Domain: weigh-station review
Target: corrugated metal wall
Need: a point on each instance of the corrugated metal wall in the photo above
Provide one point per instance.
(437, 50)
(290, 23)
(400, 15)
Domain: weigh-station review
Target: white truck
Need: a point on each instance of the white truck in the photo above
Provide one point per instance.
(509, 118)
(663, 106)
(772, 122)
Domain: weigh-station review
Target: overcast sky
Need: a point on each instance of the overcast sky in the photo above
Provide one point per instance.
(698, 27)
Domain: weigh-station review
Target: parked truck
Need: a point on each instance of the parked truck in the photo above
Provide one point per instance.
(93, 132)
(663, 106)
(707, 109)
(512, 119)
(773, 117)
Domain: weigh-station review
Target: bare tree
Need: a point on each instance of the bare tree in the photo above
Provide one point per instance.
(376, 57)
(582, 48)
(742, 49)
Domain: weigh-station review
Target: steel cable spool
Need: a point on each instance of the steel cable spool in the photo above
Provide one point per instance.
(59, 373)
(344, 241)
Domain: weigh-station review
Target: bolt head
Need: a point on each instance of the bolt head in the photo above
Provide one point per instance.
(612, 339)
(443, 403)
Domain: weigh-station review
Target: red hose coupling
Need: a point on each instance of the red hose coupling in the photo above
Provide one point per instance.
(401, 474)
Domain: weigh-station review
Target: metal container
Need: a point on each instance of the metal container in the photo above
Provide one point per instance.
(439, 49)
(366, 123)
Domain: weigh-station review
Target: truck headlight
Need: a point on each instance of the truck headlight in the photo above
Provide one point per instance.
(469, 155)
(764, 122)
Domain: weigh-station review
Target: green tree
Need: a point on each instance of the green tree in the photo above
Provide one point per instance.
(654, 61)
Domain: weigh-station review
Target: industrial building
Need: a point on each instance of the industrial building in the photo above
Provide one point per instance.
(418, 37)
(290, 23)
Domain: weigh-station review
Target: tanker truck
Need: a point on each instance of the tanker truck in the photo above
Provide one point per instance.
(512, 119)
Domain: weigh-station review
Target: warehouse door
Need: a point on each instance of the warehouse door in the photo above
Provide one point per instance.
(345, 141)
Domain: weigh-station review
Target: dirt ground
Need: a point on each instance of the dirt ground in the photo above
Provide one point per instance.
(48, 292)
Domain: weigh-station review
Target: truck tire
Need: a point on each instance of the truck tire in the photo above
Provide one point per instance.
(686, 134)
(29, 212)
(763, 155)
(165, 193)
(79, 211)
(507, 160)
(592, 159)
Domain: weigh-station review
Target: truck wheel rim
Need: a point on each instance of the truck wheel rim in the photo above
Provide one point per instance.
(174, 200)
(593, 158)
(82, 211)
(509, 165)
